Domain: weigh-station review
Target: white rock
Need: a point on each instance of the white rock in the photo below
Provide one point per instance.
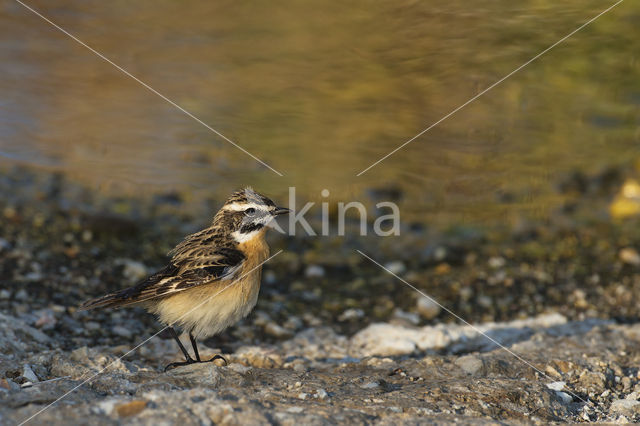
(409, 317)
(497, 262)
(556, 386)
(28, 374)
(470, 364)
(625, 407)
(629, 255)
(351, 313)
(322, 394)
(427, 308)
(370, 385)
(314, 271)
(276, 330)
(564, 397)
(387, 339)
(107, 406)
(396, 267)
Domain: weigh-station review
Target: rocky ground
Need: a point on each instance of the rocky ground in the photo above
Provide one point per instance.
(334, 337)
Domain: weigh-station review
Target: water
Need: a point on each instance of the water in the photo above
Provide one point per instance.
(320, 91)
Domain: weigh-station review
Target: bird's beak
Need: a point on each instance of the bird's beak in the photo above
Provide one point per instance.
(280, 210)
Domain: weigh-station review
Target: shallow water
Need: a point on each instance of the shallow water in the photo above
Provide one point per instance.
(320, 91)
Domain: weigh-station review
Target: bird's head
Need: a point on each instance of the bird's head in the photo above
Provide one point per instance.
(246, 214)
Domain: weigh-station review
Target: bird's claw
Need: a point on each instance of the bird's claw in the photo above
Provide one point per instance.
(192, 361)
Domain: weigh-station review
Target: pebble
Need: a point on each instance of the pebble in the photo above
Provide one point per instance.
(275, 330)
(314, 271)
(564, 397)
(470, 364)
(121, 331)
(133, 270)
(625, 407)
(630, 256)
(28, 374)
(427, 308)
(22, 294)
(370, 385)
(409, 317)
(351, 313)
(396, 267)
(496, 262)
(556, 386)
(321, 394)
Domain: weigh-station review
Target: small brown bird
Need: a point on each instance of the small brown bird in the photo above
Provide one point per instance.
(213, 277)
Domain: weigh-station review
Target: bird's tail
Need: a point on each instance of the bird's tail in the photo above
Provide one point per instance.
(111, 300)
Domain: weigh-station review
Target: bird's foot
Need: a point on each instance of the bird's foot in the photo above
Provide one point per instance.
(193, 361)
(218, 357)
(179, 364)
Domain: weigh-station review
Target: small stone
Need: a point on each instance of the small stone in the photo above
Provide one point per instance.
(409, 317)
(497, 262)
(322, 394)
(564, 397)
(625, 407)
(396, 267)
(630, 256)
(46, 320)
(5, 294)
(427, 308)
(131, 408)
(270, 277)
(302, 396)
(276, 330)
(370, 385)
(28, 374)
(552, 372)
(350, 314)
(556, 386)
(133, 270)
(314, 271)
(106, 406)
(470, 364)
(121, 331)
(295, 410)
(22, 294)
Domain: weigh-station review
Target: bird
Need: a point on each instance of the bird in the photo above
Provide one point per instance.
(212, 279)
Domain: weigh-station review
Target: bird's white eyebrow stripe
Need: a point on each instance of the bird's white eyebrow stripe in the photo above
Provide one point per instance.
(238, 206)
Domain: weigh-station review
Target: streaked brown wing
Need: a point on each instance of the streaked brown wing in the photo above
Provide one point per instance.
(207, 265)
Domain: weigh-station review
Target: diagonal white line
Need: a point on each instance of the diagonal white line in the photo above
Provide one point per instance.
(152, 336)
(473, 327)
(145, 85)
(491, 87)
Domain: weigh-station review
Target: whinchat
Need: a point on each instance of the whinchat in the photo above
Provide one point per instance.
(213, 277)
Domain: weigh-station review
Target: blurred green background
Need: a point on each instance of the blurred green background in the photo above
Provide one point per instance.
(320, 90)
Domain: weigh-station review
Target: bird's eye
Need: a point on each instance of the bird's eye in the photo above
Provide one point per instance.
(250, 210)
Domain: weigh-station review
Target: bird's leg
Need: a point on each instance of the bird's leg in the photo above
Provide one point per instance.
(195, 347)
(195, 350)
(188, 359)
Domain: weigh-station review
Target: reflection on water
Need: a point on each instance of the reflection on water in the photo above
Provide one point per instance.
(320, 90)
